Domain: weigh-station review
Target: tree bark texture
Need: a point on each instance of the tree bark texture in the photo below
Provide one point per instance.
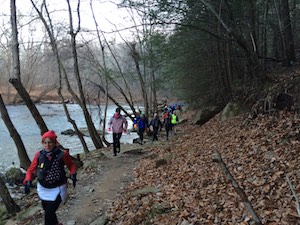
(14, 41)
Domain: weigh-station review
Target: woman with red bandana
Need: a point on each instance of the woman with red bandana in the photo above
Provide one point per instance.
(52, 180)
(118, 124)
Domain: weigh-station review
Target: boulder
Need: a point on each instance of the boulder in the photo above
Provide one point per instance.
(68, 132)
(230, 110)
(14, 176)
(206, 114)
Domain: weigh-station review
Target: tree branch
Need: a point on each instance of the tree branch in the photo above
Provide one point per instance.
(217, 158)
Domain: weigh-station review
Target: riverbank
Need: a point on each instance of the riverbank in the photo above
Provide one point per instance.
(55, 119)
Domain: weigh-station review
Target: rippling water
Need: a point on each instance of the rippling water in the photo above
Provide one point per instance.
(55, 119)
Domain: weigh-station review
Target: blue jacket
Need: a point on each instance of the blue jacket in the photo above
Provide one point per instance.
(142, 122)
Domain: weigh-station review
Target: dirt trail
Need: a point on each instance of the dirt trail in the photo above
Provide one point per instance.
(100, 180)
(96, 189)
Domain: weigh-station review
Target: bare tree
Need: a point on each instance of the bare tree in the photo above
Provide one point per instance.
(16, 74)
(105, 72)
(92, 130)
(136, 58)
(61, 71)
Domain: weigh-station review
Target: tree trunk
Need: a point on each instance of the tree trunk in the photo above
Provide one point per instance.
(14, 41)
(30, 105)
(90, 125)
(23, 157)
(11, 207)
(70, 120)
(135, 56)
(61, 72)
(286, 28)
(16, 80)
(252, 58)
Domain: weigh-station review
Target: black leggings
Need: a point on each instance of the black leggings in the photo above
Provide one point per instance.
(168, 129)
(116, 141)
(155, 132)
(50, 208)
(141, 133)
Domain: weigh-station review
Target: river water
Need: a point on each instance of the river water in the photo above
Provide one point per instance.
(55, 119)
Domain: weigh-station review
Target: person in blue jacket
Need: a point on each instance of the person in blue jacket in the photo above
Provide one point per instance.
(142, 124)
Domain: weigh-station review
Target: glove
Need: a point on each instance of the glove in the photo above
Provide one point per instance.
(124, 130)
(27, 187)
(73, 178)
(109, 129)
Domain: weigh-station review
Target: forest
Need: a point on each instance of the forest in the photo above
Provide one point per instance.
(205, 53)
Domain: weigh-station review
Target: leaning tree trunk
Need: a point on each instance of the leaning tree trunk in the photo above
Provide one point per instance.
(30, 105)
(16, 80)
(11, 207)
(23, 157)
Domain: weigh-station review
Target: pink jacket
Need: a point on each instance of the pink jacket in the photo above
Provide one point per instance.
(116, 123)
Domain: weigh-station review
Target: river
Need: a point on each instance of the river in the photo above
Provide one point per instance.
(55, 119)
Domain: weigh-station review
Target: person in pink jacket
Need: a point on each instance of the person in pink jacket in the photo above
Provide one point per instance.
(117, 124)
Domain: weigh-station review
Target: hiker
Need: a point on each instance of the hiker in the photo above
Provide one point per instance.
(156, 125)
(49, 165)
(167, 123)
(117, 124)
(174, 121)
(142, 124)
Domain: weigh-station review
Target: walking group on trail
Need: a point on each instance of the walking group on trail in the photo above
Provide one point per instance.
(49, 163)
(118, 125)
(168, 122)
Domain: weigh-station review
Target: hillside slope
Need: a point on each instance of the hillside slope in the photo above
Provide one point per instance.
(259, 153)
(187, 187)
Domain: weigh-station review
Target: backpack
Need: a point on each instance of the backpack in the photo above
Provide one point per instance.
(51, 173)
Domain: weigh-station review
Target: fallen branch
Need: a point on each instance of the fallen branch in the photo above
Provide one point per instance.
(294, 194)
(217, 158)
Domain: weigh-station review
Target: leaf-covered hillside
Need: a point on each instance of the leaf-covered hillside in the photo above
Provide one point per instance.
(182, 184)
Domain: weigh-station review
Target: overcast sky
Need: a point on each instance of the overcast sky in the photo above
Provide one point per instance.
(106, 12)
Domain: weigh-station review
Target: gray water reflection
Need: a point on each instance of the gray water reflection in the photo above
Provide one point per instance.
(55, 119)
